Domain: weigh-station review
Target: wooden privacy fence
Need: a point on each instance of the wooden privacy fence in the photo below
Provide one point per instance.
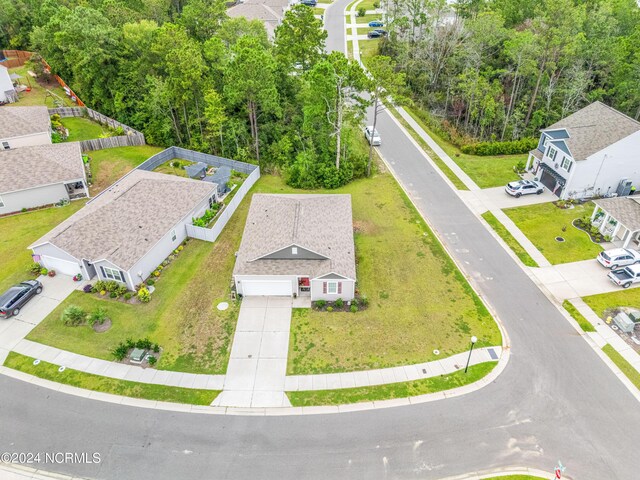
(15, 58)
(130, 138)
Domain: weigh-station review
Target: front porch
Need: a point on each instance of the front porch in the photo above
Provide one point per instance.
(616, 225)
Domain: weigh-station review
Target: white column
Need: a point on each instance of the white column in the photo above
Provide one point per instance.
(595, 211)
(604, 223)
(528, 162)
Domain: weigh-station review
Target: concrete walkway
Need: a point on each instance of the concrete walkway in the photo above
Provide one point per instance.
(367, 378)
(258, 364)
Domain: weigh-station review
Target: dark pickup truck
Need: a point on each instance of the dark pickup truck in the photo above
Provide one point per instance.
(624, 277)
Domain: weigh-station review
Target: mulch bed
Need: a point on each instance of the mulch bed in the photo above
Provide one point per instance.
(102, 327)
(586, 228)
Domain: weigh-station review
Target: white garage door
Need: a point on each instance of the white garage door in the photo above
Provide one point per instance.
(61, 266)
(267, 288)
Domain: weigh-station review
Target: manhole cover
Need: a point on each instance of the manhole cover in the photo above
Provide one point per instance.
(62, 369)
(36, 361)
(559, 239)
(436, 352)
(223, 306)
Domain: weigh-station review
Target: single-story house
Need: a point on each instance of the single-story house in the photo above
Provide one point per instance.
(221, 177)
(7, 92)
(40, 175)
(24, 126)
(619, 218)
(297, 245)
(126, 231)
(590, 153)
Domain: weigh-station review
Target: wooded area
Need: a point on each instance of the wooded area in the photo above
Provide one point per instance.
(502, 69)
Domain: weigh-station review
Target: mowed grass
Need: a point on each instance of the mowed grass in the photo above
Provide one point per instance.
(369, 17)
(544, 222)
(110, 164)
(629, 371)
(509, 239)
(515, 477)
(486, 172)
(605, 302)
(113, 386)
(81, 128)
(368, 49)
(19, 231)
(182, 316)
(578, 317)
(169, 169)
(419, 300)
(38, 94)
(393, 390)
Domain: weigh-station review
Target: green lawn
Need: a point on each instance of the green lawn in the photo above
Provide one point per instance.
(368, 48)
(544, 222)
(169, 169)
(392, 390)
(631, 373)
(400, 267)
(509, 239)
(486, 172)
(98, 383)
(19, 231)
(603, 302)
(515, 477)
(436, 159)
(578, 317)
(110, 164)
(81, 128)
(369, 17)
(367, 4)
(182, 316)
(38, 94)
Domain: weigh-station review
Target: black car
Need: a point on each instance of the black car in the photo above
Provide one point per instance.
(309, 3)
(374, 34)
(17, 296)
(381, 31)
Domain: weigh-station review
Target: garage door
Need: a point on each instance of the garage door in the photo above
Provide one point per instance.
(61, 266)
(267, 288)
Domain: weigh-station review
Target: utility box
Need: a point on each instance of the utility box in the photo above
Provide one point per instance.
(635, 317)
(137, 355)
(624, 323)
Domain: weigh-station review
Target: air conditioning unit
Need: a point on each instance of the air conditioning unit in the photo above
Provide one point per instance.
(624, 187)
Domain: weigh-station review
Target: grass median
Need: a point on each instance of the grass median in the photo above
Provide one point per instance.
(631, 373)
(578, 317)
(509, 239)
(97, 383)
(390, 391)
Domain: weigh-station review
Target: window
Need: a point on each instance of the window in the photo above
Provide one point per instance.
(546, 140)
(566, 164)
(212, 201)
(294, 250)
(552, 153)
(5, 145)
(112, 274)
(173, 235)
(332, 287)
(1, 202)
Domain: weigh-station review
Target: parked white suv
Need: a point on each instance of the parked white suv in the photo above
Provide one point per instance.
(523, 187)
(372, 136)
(618, 257)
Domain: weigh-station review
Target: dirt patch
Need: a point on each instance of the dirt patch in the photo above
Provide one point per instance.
(364, 227)
(102, 327)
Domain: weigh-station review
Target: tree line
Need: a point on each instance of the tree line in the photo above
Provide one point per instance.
(503, 69)
(185, 74)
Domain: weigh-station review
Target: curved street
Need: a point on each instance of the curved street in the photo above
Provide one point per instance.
(555, 400)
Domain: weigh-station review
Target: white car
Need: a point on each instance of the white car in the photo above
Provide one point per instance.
(372, 136)
(523, 187)
(618, 257)
(624, 277)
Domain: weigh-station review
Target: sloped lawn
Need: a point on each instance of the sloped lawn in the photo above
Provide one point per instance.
(81, 128)
(110, 164)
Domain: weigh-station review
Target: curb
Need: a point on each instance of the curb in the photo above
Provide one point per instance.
(503, 472)
(20, 472)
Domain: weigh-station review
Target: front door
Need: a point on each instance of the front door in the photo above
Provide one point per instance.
(90, 269)
(304, 286)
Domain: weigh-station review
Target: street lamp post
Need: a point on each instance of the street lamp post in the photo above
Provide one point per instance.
(474, 339)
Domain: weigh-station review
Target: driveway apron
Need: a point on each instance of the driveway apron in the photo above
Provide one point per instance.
(258, 364)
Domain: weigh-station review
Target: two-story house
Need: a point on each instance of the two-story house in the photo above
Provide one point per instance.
(593, 152)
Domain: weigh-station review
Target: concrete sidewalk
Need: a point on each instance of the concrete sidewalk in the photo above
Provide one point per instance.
(367, 378)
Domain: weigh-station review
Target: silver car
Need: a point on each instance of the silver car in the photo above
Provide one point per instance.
(618, 257)
(372, 136)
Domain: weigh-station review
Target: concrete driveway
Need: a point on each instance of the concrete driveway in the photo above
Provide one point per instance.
(258, 362)
(496, 198)
(576, 279)
(54, 291)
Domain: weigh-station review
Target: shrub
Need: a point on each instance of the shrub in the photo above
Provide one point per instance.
(180, 248)
(145, 344)
(156, 273)
(152, 360)
(339, 303)
(121, 290)
(130, 343)
(36, 268)
(43, 271)
(143, 295)
(113, 295)
(362, 11)
(128, 295)
(156, 348)
(519, 167)
(354, 308)
(103, 292)
(100, 285)
(151, 282)
(112, 286)
(364, 301)
(120, 352)
(88, 288)
(329, 309)
(376, 4)
(321, 303)
(73, 316)
(99, 315)
(500, 148)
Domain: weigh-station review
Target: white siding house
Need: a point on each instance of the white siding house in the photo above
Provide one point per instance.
(297, 245)
(124, 233)
(24, 126)
(7, 92)
(592, 152)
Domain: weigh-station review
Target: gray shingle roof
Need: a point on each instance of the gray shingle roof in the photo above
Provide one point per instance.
(625, 210)
(125, 221)
(29, 167)
(320, 223)
(593, 128)
(18, 121)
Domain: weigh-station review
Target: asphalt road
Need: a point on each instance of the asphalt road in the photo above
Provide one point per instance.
(555, 400)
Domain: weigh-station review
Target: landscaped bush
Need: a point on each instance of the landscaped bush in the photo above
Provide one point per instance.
(152, 360)
(120, 352)
(320, 303)
(156, 348)
(500, 148)
(354, 308)
(145, 344)
(73, 316)
(143, 295)
(113, 295)
(519, 167)
(205, 219)
(339, 303)
(329, 309)
(362, 11)
(128, 295)
(100, 285)
(35, 268)
(112, 286)
(121, 290)
(44, 271)
(99, 315)
(364, 301)
(88, 288)
(151, 282)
